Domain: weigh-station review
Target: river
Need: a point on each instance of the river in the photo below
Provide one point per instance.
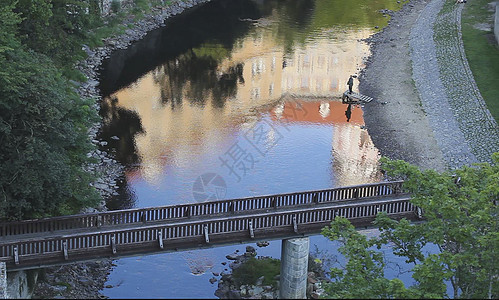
(233, 99)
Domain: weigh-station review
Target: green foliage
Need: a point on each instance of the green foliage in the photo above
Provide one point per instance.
(142, 5)
(363, 275)
(460, 210)
(56, 28)
(43, 123)
(115, 6)
(252, 269)
(482, 51)
(43, 132)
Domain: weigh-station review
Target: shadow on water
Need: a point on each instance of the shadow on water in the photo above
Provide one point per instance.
(126, 198)
(174, 51)
(128, 124)
(217, 22)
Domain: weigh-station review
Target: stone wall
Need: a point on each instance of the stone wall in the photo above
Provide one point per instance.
(19, 284)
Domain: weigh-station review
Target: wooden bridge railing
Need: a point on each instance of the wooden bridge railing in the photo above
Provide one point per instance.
(145, 215)
(184, 233)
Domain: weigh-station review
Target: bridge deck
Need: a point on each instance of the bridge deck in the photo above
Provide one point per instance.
(203, 218)
(233, 221)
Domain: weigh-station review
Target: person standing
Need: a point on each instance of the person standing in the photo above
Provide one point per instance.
(350, 84)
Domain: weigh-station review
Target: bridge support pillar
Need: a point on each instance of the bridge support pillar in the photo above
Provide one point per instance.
(294, 268)
(3, 281)
(17, 284)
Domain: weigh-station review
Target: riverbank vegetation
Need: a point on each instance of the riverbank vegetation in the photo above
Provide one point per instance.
(453, 252)
(43, 121)
(482, 50)
(253, 269)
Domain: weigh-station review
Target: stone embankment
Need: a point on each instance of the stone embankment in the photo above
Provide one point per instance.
(395, 121)
(86, 280)
(429, 110)
(108, 169)
(496, 23)
(458, 113)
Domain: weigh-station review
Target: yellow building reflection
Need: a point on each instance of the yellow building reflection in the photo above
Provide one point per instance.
(355, 158)
(185, 118)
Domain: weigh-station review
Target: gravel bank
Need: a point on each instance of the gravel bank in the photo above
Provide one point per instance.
(428, 109)
(395, 120)
(479, 128)
(426, 75)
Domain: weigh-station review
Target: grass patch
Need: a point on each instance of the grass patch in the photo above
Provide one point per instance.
(482, 51)
(73, 74)
(252, 269)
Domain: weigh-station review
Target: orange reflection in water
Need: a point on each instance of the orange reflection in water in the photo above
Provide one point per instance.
(325, 112)
(355, 158)
(178, 131)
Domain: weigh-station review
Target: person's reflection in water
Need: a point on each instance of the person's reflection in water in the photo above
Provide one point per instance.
(239, 72)
(348, 112)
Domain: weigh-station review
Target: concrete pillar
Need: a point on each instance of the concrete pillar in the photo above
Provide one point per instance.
(294, 268)
(3, 281)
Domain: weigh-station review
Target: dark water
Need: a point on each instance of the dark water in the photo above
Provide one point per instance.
(233, 99)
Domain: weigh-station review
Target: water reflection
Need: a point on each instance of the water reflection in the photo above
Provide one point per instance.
(192, 105)
(355, 158)
(257, 82)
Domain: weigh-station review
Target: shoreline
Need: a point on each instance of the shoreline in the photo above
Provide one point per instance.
(108, 169)
(396, 121)
(428, 110)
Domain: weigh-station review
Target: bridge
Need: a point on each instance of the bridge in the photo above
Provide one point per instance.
(59, 240)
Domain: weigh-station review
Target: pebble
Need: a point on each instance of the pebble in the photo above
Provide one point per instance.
(232, 256)
(262, 244)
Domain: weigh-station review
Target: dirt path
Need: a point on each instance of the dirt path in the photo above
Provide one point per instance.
(396, 120)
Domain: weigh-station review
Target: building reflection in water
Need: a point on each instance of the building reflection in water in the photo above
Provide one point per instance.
(355, 158)
(193, 105)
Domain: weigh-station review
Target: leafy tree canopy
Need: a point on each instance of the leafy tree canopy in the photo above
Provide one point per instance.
(461, 219)
(43, 132)
(55, 28)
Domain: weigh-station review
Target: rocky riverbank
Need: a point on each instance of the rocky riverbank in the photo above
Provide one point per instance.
(86, 280)
(230, 288)
(395, 121)
(107, 168)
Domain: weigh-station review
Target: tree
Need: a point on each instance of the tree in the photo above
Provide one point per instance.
(43, 132)
(460, 218)
(56, 28)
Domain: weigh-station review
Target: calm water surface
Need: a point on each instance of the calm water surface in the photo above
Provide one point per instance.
(232, 99)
